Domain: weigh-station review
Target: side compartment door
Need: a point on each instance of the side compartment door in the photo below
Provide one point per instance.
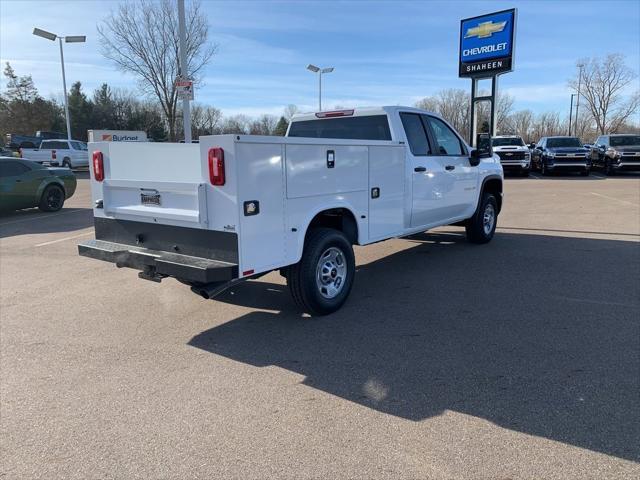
(386, 191)
(460, 178)
(426, 187)
(261, 204)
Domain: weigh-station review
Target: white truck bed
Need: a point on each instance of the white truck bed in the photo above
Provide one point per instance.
(289, 178)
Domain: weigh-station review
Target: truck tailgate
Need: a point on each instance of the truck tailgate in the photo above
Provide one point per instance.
(159, 183)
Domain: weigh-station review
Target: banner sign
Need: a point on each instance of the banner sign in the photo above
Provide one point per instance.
(487, 44)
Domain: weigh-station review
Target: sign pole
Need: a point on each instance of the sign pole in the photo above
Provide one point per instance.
(184, 74)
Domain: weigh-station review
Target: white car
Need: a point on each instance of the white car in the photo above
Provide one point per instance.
(66, 153)
(235, 207)
(514, 154)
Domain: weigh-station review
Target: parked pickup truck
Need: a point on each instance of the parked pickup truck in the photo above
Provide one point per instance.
(67, 153)
(238, 206)
(514, 154)
(616, 153)
(561, 154)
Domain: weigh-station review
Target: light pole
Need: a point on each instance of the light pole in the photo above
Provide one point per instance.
(319, 71)
(571, 112)
(186, 107)
(67, 39)
(580, 66)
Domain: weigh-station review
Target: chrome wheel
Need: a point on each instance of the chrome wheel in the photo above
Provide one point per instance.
(331, 272)
(488, 218)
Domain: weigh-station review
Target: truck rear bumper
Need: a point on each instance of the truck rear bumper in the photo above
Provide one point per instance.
(156, 264)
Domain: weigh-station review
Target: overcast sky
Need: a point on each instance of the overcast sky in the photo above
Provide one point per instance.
(384, 53)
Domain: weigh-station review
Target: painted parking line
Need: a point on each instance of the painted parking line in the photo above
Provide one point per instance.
(616, 199)
(64, 239)
(535, 176)
(46, 215)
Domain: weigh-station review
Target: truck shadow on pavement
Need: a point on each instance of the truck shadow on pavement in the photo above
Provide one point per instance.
(537, 334)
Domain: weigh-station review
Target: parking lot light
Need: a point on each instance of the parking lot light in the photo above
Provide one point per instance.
(69, 39)
(44, 34)
(320, 72)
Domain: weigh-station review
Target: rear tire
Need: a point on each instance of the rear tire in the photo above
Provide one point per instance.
(321, 281)
(52, 199)
(66, 163)
(481, 227)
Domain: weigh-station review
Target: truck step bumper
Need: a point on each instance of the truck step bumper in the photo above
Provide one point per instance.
(156, 264)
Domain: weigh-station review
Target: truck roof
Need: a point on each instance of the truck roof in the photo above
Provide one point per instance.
(361, 112)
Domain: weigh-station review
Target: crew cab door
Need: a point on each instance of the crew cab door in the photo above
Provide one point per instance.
(460, 179)
(428, 182)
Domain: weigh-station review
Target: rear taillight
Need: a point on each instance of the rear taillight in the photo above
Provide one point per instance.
(216, 166)
(53, 154)
(98, 166)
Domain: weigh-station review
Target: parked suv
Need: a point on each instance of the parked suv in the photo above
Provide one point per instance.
(514, 154)
(614, 153)
(553, 154)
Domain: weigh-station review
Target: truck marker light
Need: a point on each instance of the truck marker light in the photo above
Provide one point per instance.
(247, 272)
(335, 113)
(251, 207)
(216, 166)
(98, 166)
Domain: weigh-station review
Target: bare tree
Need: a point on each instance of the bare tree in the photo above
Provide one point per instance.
(603, 83)
(547, 124)
(236, 124)
(264, 125)
(290, 110)
(141, 37)
(454, 105)
(521, 122)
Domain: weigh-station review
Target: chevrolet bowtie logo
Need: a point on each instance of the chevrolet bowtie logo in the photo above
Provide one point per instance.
(485, 29)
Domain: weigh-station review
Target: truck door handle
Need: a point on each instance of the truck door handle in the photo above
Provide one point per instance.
(420, 169)
(450, 167)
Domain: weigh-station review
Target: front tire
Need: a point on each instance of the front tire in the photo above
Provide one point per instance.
(543, 169)
(321, 281)
(481, 227)
(608, 168)
(52, 199)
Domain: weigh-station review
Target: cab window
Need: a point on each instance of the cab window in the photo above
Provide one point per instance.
(448, 141)
(416, 134)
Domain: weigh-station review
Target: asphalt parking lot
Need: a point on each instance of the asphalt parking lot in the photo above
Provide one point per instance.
(517, 359)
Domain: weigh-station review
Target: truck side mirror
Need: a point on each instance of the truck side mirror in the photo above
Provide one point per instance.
(476, 155)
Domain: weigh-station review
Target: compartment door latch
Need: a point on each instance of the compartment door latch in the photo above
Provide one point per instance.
(331, 158)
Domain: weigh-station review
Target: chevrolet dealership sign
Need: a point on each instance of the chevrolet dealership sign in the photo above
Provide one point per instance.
(487, 44)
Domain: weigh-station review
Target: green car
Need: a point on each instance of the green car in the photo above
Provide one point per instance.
(26, 184)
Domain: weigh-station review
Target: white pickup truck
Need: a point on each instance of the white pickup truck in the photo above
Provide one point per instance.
(234, 207)
(66, 153)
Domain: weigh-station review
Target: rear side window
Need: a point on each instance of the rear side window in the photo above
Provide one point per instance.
(12, 169)
(371, 127)
(79, 146)
(54, 146)
(448, 141)
(416, 134)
